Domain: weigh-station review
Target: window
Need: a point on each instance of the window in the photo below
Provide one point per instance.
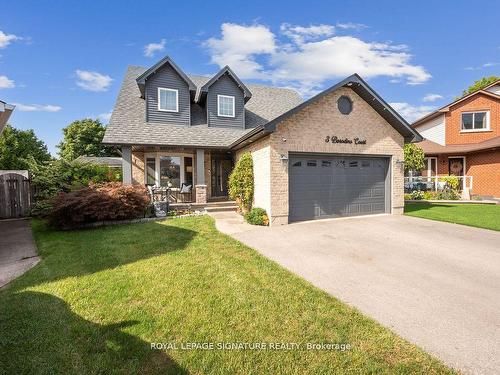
(297, 164)
(311, 163)
(225, 105)
(168, 100)
(170, 171)
(326, 163)
(475, 121)
(353, 164)
(365, 163)
(340, 164)
(344, 105)
(150, 171)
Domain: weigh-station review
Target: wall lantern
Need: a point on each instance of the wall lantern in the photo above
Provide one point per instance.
(283, 157)
(400, 162)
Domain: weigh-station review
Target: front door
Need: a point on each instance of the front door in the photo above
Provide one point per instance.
(222, 165)
(456, 166)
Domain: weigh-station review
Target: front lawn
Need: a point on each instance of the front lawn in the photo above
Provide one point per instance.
(99, 298)
(476, 215)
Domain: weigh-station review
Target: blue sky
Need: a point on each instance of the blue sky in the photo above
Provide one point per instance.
(64, 60)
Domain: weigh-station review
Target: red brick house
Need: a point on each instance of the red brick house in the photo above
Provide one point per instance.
(463, 139)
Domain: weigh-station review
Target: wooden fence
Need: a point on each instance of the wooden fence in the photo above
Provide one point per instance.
(15, 196)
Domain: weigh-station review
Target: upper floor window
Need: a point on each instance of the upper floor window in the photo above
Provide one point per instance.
(475, 121)
(225, 106)
(168, 100)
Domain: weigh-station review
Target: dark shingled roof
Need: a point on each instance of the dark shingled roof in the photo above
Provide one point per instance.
(128, 124)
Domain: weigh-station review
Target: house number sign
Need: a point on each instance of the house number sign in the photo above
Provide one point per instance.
(335, 139)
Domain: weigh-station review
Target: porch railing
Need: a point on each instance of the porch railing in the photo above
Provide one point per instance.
(435, 183)
(171, 195)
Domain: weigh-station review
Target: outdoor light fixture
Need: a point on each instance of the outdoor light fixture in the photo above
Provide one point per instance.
(283, 157)
(400, 162)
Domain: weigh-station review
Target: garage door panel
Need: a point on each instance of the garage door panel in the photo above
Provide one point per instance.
(330, 186)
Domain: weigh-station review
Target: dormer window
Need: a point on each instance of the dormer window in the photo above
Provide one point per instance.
(225, 105)
(168, 100)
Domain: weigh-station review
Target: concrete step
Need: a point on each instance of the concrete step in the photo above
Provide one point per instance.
(220, 204)
(221, 208)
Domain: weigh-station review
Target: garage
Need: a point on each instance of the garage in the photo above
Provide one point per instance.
(323, 186)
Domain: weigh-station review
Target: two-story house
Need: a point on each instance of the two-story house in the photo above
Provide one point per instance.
(463, 139)
(336, 154)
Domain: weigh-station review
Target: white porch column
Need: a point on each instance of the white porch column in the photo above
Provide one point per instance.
(201, 187)
(127, 164)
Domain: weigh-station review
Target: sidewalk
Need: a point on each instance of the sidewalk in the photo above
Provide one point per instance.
(17, 250)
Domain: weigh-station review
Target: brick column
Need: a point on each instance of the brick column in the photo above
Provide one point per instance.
(201, 193)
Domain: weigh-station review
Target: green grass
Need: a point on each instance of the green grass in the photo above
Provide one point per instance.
(475, 215)
(99, 298)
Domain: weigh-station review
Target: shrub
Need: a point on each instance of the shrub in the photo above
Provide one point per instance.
(241, 182)
(109, 201)
(417, 195)
(56, 176)
(429, 195)
(451, 195)
(407, 197)
(257, 216)
(451, 182)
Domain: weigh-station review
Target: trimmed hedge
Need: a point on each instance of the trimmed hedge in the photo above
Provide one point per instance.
(109, 201)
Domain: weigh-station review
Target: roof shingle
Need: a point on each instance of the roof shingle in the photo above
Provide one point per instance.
(128, 124)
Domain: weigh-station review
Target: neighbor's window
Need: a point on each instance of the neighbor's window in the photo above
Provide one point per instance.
(472, 121)
(168, 100)
(170, 171)
(225, 105)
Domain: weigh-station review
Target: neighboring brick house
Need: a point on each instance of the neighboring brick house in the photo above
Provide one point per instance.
(463, 138)
(339, 153)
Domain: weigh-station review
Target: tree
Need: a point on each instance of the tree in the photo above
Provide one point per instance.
(414, 157)
(20, 148)
(84, 137)
(480, 84)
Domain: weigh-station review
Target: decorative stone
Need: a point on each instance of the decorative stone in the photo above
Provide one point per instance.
(201, 193)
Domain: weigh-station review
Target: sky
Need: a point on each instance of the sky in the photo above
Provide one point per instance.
(64, 60)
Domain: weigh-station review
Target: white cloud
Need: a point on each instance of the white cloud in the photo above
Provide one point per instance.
(6, 83)
(309, 56)
(238, 47)
(151, 48)
(37, 107)
(300, 34)
(6, 39)
(411, 112)
(351, 25)
(432, 97)
(105, 117)
(93, 81)
(485, 65)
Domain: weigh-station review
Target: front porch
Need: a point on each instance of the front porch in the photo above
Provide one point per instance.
(179, 175)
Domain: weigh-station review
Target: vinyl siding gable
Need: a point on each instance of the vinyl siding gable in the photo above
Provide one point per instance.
(225, 86)
(168, 78)
(434, 130)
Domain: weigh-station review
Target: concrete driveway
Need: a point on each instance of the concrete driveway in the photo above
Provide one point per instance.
(17, 250)
(435, 284)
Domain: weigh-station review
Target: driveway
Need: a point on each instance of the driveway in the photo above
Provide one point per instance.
(435, 284)
(17, 250)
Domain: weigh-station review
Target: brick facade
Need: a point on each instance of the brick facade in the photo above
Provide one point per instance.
(306, 130)
(483, 166)
(474, 103)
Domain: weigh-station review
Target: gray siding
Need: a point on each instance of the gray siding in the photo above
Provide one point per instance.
(168, 78)
(226, 86)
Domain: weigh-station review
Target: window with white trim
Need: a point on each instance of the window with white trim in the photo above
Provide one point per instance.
(225, 106)
(168, 100)
(475, 121)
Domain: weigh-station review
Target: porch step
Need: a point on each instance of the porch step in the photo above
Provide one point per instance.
(221, 208)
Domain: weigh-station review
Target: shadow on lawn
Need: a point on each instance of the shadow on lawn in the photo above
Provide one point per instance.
(78, 253)
(40, 334)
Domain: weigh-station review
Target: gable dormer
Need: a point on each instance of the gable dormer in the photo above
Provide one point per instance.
(168, 93)
(225, 96)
